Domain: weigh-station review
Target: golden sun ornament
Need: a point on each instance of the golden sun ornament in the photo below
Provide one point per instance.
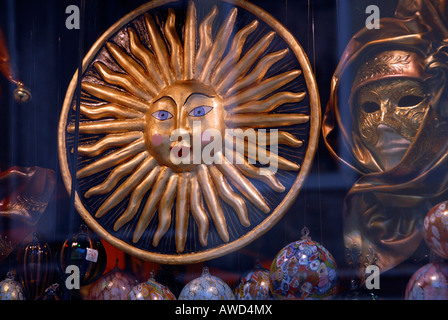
(195, 120)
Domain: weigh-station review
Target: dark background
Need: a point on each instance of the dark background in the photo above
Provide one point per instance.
(46, 55)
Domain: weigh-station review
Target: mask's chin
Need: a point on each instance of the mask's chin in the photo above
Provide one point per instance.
(390, 147)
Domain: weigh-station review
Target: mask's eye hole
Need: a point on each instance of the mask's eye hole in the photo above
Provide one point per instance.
(200, 111)
(370, 107)
(162, 115)
(410, 101)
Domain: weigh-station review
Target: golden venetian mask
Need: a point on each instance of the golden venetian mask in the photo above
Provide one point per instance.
(389, 104)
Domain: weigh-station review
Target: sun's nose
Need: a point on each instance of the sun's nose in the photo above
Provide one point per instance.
(180, 135)
(182, 120)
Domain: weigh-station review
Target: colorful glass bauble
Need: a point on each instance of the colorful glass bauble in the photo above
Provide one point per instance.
(206, 287)
(435, 229)
(51, 293)
(36, 267)
(11, 289)
(114, 285)
(430, 282)
(303, 270)
(150, 290)
(86, 253)
(253, 285)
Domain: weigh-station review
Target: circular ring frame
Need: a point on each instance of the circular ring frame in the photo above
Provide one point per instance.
(279, 211)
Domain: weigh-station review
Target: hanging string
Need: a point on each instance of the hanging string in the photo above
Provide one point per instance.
(30, 117)
(337, 14)
(57, 116)
(319, 195)
(312, 47)
(313, 39)
(12, 154)
(72, 213)
(36, 140)
(285, 223)
(77, 116)
(308, 48)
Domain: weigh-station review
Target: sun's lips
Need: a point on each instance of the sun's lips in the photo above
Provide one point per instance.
(181, 151)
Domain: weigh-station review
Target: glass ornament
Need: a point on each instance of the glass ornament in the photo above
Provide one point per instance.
(435, 229)
(430, 282)
(206, 287)
(253, 285)
(36, 267)
(11, 289)
(86, 253)
(114, 285)
(303, 270)
(150, 290)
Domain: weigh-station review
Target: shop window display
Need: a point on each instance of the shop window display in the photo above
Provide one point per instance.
(204, 138)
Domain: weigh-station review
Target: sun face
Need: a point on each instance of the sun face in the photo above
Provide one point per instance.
(183, 124)
(174, 113)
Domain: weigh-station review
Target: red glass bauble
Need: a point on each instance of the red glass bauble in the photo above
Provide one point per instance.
(435, 229)
(430, 282)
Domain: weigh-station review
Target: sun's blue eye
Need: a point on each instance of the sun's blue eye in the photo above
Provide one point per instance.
(162, 115)
(200, 111)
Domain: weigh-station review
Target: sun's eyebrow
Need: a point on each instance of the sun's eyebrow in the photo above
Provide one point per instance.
(197, 94)
(164, 98)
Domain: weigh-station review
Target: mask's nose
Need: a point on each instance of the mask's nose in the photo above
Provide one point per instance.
(386, 110)
(388, 117)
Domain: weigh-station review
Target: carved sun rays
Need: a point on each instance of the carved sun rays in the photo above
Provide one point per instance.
(249, 97)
